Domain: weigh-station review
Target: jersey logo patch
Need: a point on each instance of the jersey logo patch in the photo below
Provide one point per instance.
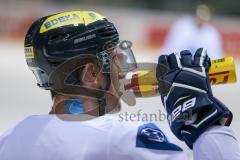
(149, 134)
(151, 137)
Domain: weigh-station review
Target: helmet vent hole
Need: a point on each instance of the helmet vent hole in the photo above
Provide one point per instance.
(55, 37)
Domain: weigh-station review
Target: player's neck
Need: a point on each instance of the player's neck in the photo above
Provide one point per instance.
(90, 106)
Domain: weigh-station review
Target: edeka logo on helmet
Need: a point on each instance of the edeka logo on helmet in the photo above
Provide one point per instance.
(60, 19)
(70, 18)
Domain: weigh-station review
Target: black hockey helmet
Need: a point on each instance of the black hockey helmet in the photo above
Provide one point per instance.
(54, 39)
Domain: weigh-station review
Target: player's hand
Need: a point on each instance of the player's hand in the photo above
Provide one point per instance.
(187, 96)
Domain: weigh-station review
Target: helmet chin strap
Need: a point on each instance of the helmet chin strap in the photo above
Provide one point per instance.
(102, 99)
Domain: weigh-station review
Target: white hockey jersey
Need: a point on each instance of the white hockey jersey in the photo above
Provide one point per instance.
(46, 137)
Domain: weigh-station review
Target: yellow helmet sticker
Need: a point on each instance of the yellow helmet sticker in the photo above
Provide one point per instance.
(70, 18)
(29, 54)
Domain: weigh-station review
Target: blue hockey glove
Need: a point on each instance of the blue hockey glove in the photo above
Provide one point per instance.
(187, 96)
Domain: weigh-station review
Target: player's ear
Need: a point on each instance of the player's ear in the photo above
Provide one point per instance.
(89, 73)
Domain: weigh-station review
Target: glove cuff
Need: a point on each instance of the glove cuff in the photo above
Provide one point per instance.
(218, 114)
